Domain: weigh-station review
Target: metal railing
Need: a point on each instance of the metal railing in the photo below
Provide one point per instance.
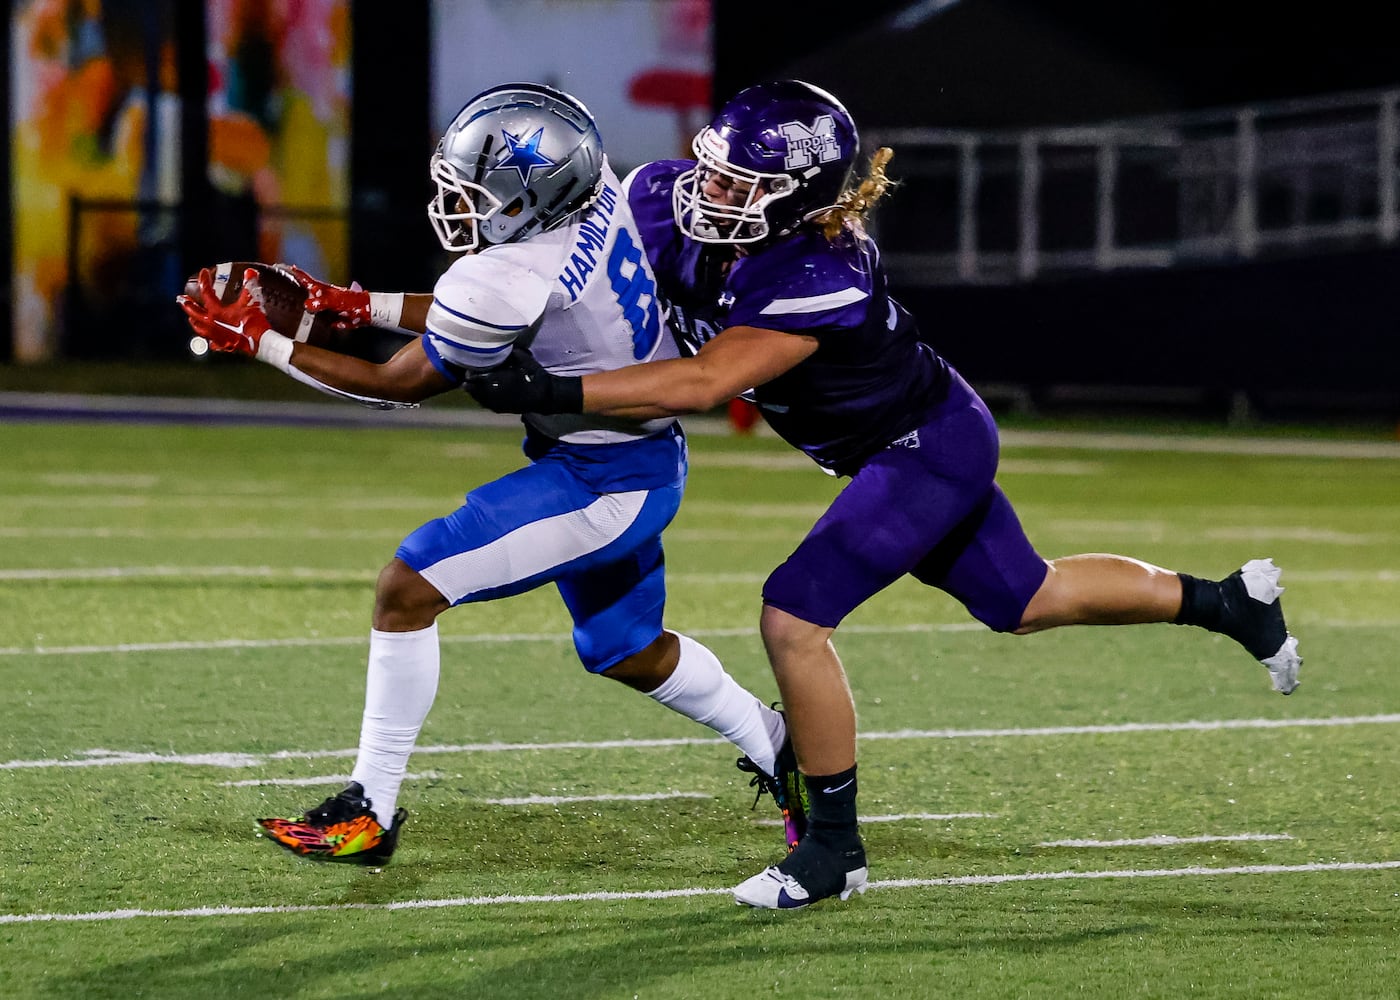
(1294, 177)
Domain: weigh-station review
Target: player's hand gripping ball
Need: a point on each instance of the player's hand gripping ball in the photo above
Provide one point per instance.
(277, 293)
(347, 308)
(236, 327)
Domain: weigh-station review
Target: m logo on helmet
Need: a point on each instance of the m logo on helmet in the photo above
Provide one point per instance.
(810, 145)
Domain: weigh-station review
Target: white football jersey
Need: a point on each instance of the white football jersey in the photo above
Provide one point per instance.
(582, 298)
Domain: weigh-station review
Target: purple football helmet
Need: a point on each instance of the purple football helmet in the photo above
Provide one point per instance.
(775, 156)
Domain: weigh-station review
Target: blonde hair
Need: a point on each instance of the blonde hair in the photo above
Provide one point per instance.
(859, 199)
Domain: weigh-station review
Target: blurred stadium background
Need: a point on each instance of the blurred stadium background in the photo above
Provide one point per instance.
(1183, 208)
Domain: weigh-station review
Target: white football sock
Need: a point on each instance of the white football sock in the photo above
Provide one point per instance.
(700, 689)
(401, 684)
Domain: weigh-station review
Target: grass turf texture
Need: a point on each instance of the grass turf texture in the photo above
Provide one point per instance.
(237, 564)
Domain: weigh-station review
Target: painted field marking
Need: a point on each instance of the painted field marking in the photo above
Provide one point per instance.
(104, 758)
(899, 818)
(556, 800)
(230, 532)
(1164, 840)
(527, 800)
(591, 897)
(365, 576)
(506, 637)
(320, 779)
(275, 573)
(300, 641)
(1154, 530)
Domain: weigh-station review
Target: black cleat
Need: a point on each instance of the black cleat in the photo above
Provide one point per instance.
(814, 871)
(1252, 615)
(342, 828)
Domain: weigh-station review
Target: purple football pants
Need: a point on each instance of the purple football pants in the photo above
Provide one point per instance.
(927, 505)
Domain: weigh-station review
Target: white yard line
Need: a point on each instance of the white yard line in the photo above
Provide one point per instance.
(197, 645)
(525, 800)
(1092, 529)
(1191, 725)
(591, 897)
(305, 641)
(105, 758)
(362, 575)
(320, 779)
(1163, 840)
(897, 818)
(277, 573)
(227, 532)
(190, 573)
(557, 800)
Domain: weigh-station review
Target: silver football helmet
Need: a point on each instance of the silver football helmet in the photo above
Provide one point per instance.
(517, 160)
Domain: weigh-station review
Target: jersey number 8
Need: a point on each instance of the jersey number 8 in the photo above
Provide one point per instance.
(632, 285)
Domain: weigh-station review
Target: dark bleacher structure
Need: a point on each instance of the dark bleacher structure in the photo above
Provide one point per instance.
(1190, 205)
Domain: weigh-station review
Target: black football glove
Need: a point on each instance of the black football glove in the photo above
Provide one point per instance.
(521, 385)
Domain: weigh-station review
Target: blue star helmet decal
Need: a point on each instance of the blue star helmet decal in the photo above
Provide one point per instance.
(523, 156)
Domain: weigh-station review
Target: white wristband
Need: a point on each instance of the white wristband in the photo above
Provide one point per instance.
(385, 308)
(276, 350)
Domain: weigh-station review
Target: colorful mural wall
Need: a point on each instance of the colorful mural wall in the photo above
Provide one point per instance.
(279, 123)
(95, 148)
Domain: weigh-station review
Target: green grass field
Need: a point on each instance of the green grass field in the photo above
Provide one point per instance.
(1090, 812)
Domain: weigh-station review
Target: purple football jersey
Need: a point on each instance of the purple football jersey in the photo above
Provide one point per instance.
(871, 379)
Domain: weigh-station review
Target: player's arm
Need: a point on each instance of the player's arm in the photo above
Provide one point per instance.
(240, 327)
(354, 307)
(407, 378)
(734, 361)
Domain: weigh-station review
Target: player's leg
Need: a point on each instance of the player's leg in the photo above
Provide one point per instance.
(617, 597)
(895, 509)
(990, 566)
(362, 823)
(510, 536)
(687, 677)
(1102, 589)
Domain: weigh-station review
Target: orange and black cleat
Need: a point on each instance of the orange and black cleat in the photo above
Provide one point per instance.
(342, 828)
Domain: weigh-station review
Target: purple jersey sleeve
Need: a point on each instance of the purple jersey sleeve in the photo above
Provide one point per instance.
(803, 285)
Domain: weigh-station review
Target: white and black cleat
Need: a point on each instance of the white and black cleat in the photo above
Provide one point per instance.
(1259, 624)
(773, 889)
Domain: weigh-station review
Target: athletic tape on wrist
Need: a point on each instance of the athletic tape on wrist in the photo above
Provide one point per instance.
(304, 327)
(385, 308)
(276, 350)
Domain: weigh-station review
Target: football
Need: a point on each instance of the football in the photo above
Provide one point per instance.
(280, 297)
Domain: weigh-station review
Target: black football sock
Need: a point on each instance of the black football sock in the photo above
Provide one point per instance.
(1227, 608)
(1201, 603)
(831, 809)
(832, 846)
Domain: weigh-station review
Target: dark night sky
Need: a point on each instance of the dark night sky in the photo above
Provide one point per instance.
(999, 62)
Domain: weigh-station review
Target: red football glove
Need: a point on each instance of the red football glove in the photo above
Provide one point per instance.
(351, 305)
(234, 328)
